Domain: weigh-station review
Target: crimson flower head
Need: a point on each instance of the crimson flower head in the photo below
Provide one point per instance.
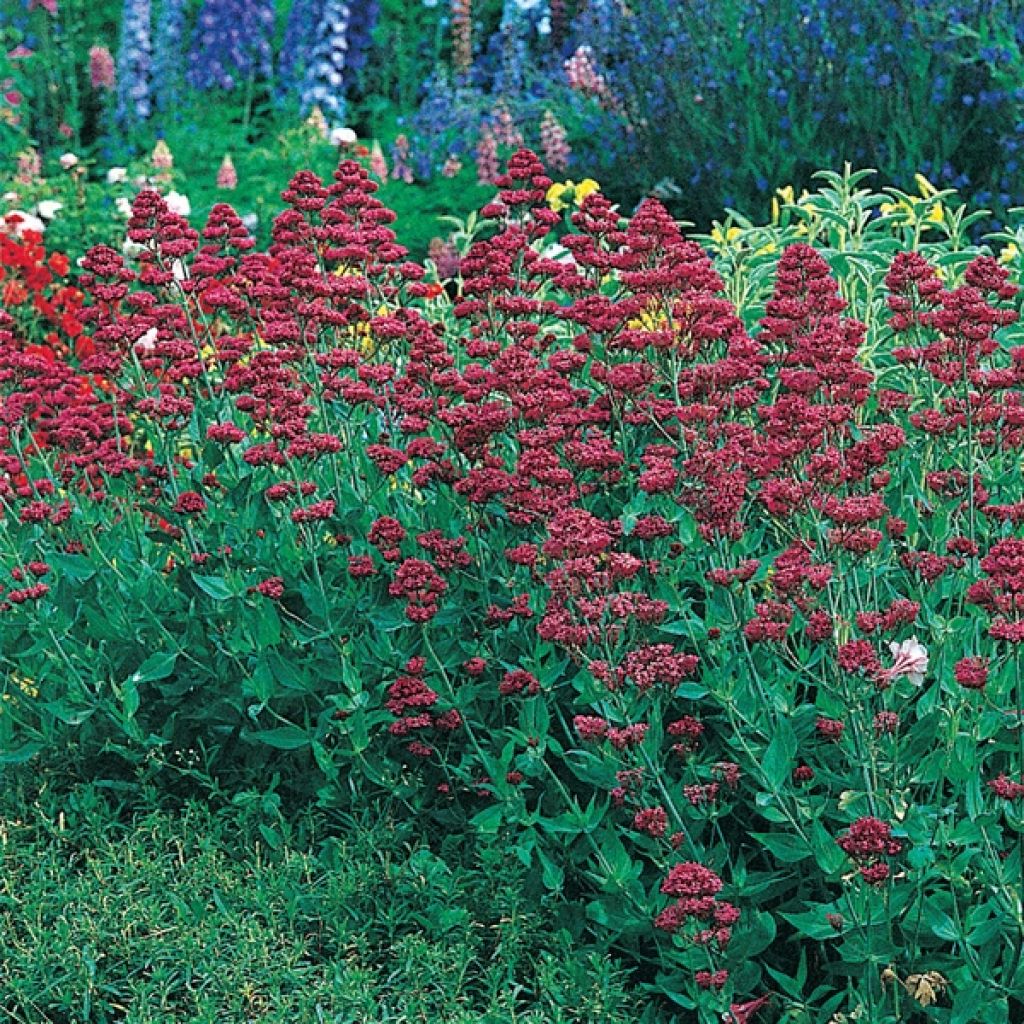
(190, 503)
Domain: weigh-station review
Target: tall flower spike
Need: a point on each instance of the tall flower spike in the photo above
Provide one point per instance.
(364, 17)
(297, 47)
(462, 35)
(487, 156)
(231, 43)
(324, 84)
(102, 74)
(169, 55)
(514, 29)
(162, 158)
(227, 176)
(378, 165)
(401, 170)
(554, 143)
(134, 63)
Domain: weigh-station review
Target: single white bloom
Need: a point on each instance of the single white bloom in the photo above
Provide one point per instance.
(123, 206)
(130, 248)
(178, 203)
(146, 342)
(251, 221)
(179, 271)
(910, 659)
(10, 197)
(116, 175)
(342, 137)
(48, 208)
(68, 160)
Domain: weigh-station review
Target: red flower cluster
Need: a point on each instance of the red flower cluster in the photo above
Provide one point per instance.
(867, 841)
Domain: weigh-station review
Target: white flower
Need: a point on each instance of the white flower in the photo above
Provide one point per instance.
(130, 248)
(178, 203)
(146, 342)
(116, 175)
(342, 137)
(179, 270)
(48, 208)
(124, 206)
(251, 221)
(10, 197)
(910, 659)
(68, 160)
(17, 222)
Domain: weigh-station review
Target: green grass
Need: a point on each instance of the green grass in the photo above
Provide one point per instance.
(187, 915)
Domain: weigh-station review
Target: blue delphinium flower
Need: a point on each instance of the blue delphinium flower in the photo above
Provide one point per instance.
(363, 19)
(232, 41)
(515, 26)
(168, 55)
(134, 64)
(297, 47)
(324, 84)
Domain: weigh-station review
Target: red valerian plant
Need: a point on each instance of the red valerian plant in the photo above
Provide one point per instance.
(700, 590)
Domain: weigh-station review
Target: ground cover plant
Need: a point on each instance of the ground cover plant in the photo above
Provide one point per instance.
(686, 570)
(187, 913)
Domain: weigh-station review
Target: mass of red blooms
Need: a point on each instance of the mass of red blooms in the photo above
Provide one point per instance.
(577, 470)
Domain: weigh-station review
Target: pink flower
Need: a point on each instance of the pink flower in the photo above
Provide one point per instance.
(102, 73)
(910, 659)
(227, 176)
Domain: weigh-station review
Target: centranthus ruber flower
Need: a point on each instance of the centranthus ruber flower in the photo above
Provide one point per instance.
(910, 659)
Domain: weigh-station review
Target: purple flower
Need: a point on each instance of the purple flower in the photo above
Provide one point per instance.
(231, 42)
(297, 47)
(134, 63)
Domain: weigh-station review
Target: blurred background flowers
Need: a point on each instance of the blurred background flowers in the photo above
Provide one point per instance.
(705, 112)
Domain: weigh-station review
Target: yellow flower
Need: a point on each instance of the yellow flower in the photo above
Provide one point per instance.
(24, 684)
(652, 319)
(936, 214)
(787, 196)
(1009, 253)
(585, 188)
(902, 207)
(563, 193)
(555, 193)
(723, 239)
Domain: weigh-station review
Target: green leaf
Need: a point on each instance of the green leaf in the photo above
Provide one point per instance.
(156, 666)
(787, 848)
(214, 586)
(21, 754)
(811, 923)
(268, 625)
(551, 873)
(489, 819)
(779, 757)
(129, 699)
(287, 737)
